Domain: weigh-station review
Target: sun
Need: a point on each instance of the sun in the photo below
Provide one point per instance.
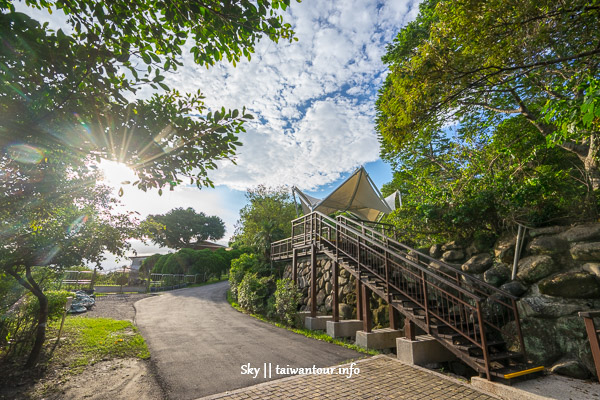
(115, 174)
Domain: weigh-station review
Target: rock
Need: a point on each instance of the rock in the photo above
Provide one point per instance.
(549, 230)
(453, 255)
(582, 233)
(571, 368)
(548, 245)
(453, 245)
(497, 275)
(504, 249)
(321, 297)
(536, 304)
(534, 268)
(435, 251)
(436, 265)
(328, 287)
(515, 288)
(592, 268)
(328, 301)
(471, 250)
(346, 311)
(586, 251)
(478, 264)
(571, 285)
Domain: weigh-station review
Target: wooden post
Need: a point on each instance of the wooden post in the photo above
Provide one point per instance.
(334, 295)
(409, 329)
(359, 314)
(313, 281)
(294, 267)
(393, 314)
(366, 303)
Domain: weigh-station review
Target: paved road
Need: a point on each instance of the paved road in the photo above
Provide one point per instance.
(199, 343)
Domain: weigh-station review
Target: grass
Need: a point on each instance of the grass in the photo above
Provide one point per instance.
(318, 335)
(89, 340)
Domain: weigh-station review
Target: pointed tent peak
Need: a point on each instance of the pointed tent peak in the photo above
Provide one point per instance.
(394, 200)
(357, 194)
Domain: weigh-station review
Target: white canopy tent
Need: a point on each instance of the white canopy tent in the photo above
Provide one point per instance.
(357, 195)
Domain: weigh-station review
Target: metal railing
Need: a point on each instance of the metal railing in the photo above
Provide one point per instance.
(469, 306)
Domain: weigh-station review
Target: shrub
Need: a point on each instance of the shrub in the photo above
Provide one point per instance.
(239, 267)
(287, 298)
(17, 327)
(253, 292)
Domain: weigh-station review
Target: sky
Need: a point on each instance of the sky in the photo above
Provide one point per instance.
(313, 102)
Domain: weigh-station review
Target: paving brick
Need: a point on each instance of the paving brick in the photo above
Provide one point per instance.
(380, 377)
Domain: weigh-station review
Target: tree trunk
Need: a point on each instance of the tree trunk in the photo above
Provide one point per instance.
(40, 335)
(590, 163)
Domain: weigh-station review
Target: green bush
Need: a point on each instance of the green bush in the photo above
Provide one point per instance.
(287, 297)
(253, 292)
(239, 267)
(17, 327)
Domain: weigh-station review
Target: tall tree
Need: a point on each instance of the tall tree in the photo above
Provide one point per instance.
(480, 62)
(184, 228)
(266, 218)
(67, 98)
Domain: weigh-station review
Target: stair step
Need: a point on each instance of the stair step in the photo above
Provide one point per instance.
(499, 356)
(468, 347)
(516, 371)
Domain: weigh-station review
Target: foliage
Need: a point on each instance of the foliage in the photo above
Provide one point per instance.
(488, 116)
(245, 264)
(184, 228)
(253, 292)
(265, 219)
(17, 326)
(287, 299)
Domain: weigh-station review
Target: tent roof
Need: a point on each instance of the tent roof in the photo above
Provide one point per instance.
(357, 194)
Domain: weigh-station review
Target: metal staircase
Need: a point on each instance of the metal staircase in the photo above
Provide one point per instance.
(463, 313)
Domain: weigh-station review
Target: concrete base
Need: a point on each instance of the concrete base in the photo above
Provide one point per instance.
(378, 339)
(422, 351)
(303, 314)
(317, 323)
(346, 328)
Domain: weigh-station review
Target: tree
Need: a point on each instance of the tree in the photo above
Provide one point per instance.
(478, 63)
(266, 218)
(56, 232)
(184, 228)
(67, 99)
(71, 89)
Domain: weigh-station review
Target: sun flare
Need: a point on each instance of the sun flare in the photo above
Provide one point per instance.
(115, 174)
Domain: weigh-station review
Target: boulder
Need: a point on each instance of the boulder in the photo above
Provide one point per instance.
(571, 285)
(321, 297)
(478, 264)
(436, 251)
(592, 268)
(533, 268)
(547, 231)
(346, 311)
(547, 245)
(328, 302)
(571, 368)
(586, 251)
(453, 255)
(582, 233)
(515, 288)
(497, 275)
(453, 245)
(328, 287)
(536, 304)
(504, 249)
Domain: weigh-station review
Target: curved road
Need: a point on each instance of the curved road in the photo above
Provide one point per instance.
(199, 343)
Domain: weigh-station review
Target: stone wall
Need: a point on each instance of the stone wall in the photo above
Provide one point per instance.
(346, 294)
(558, 275)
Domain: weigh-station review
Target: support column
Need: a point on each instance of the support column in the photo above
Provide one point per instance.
(335, 310)
(359, 314)
(393, 315)
(409, 329)
(367, 315)
(313, 281)
(295, 267)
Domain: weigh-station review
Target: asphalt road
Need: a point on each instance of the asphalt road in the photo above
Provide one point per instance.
(200, 344)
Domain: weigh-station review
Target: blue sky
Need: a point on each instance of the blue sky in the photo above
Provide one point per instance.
(313, 101)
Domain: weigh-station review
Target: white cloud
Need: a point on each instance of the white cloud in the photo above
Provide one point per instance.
(313, 99)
